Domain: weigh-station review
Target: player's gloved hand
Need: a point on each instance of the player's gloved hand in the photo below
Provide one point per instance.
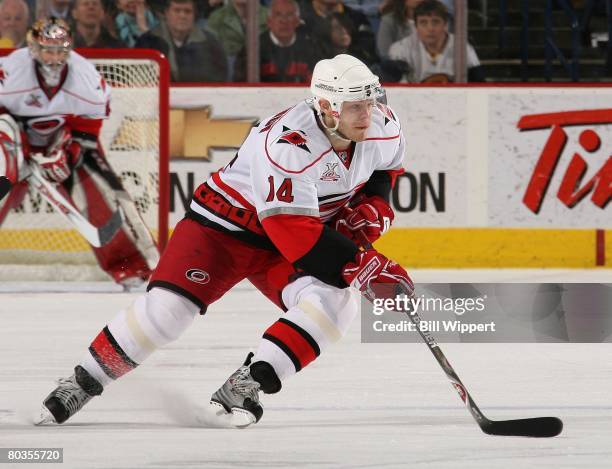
(376, 276)
(63, 155)
(372, 216)
(54, 166)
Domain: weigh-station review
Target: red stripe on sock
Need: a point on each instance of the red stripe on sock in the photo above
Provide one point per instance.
(294, 341)
(109, 356)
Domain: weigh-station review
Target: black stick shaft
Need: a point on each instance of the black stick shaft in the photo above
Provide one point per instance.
(532, 427)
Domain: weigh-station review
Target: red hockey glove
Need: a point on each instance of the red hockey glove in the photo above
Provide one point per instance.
(54, 166)
(63, 155)
(372, 216)
(376, 276)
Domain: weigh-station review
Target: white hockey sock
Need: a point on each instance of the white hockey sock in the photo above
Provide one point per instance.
(154, 320)
(320, 317)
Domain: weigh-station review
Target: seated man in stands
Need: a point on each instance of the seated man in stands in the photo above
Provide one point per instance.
(286, 54)
(89, 30)
(429, 54)
(194, 55)
(14, 19)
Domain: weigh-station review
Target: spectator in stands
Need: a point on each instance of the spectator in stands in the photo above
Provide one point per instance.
(338, 38)
(395, 25)
(228, 24)
(89, 30)
(57, 8)
(194, 55)
(14, 19)
(286, 54)
(429, 54)
(133, 20)
(316, 14)
(372, 9)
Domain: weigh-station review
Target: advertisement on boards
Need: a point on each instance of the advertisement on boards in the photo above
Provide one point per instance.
(550, 158)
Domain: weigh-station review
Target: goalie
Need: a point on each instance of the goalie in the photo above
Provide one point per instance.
(52, 104)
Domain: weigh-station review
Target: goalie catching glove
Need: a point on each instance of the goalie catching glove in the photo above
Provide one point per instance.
(377, 276)
(372, 216)
(64, 155)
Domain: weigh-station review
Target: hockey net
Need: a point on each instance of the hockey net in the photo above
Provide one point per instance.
(36, 243)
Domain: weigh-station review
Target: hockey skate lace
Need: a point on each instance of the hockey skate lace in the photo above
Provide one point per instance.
(246, 386)
(71, 395)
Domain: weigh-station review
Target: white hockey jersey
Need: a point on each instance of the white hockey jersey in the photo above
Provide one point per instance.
(287, 167)
(80, 101)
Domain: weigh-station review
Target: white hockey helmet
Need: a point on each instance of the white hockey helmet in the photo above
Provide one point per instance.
(343, 78)
(50, 34)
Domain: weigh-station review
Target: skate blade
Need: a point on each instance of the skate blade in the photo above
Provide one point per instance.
(215, 415)
(44, 417)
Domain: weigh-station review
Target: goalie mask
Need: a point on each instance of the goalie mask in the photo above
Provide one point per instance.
(50, 43)
(341, 79)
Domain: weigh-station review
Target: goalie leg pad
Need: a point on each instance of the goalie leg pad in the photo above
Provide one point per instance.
(154, 320)
(318, 315)
(125, 258)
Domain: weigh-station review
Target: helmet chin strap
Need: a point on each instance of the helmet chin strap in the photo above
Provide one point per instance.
(333, 133)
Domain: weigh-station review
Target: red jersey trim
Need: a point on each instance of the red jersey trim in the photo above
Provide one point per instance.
(284, 229)
(51, 92)
(95, 103)
(231, 191)
(288, 170)
(19, 91)
(383, 138)
(394, 173)
(83, 124)
(285, 169)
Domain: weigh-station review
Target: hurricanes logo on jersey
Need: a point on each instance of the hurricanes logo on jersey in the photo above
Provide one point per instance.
(293, 137)
(330, 173)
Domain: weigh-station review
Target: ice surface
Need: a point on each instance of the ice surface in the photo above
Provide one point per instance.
(358, 406)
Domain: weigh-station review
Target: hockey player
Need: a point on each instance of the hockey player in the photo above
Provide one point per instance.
(52, 104)
(270, 216)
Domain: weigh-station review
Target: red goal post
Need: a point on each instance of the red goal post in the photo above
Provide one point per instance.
(136, 141)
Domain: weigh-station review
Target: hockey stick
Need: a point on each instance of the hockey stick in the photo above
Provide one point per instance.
(5, 186)
(538, 427)
(96, 236)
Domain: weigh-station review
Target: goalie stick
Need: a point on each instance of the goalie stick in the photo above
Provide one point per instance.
(5, 186)
(537, 427)
(96, 236)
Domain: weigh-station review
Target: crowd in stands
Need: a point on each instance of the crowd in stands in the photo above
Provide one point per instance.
(204, 40)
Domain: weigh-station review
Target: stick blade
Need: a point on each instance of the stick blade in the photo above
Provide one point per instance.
(539, 427)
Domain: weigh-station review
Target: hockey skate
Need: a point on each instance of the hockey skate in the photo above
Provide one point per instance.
(236, 403)
(70, 395)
